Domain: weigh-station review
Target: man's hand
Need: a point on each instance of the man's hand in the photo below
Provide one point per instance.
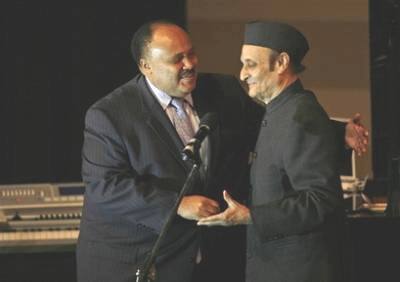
(195, 207)
(235, 214)
(356, 135)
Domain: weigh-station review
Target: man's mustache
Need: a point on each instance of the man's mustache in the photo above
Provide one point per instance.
(187, 73)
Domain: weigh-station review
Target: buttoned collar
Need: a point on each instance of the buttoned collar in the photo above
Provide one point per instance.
(280, 99)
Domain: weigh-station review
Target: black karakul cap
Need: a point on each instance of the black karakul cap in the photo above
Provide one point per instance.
(278, 36)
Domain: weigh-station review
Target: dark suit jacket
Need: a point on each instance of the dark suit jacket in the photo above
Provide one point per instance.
(296, 203)
(133, 170)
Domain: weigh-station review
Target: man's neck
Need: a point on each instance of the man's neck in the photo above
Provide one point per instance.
(283, 84)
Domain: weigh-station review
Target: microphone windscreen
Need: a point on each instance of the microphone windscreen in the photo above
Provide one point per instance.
(210, 120)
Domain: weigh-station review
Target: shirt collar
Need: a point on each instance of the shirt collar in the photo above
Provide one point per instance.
(163, 98)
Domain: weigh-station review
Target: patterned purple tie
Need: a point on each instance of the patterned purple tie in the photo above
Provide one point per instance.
(184, 127)
(181, 120)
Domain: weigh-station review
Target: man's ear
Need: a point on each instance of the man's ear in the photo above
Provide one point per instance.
(283, 62)
(144, 66)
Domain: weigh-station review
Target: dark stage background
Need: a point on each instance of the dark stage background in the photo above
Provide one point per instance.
(57, 58)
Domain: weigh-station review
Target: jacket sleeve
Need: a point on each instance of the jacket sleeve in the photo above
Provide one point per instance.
(309, 177)
(345, 152)
(114, 188)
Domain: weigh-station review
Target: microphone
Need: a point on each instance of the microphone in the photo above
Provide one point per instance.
(207, 124)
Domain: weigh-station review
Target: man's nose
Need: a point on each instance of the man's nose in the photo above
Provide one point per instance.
(243, 74)
(189, 62)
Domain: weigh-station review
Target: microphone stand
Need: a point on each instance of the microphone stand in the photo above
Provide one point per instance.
(147, 272)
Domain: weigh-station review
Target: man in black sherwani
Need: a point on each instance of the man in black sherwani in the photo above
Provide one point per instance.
(296, 209)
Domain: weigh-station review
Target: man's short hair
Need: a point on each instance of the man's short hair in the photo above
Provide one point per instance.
(142, 38)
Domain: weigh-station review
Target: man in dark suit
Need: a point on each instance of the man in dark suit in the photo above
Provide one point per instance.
(296, 211)
(132, 164)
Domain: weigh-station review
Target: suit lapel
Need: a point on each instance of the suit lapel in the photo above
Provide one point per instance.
(158, 121)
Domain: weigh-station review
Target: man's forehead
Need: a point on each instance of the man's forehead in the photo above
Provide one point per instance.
(255, 48)
(253, 51)
(174, 39)
(168, 32)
